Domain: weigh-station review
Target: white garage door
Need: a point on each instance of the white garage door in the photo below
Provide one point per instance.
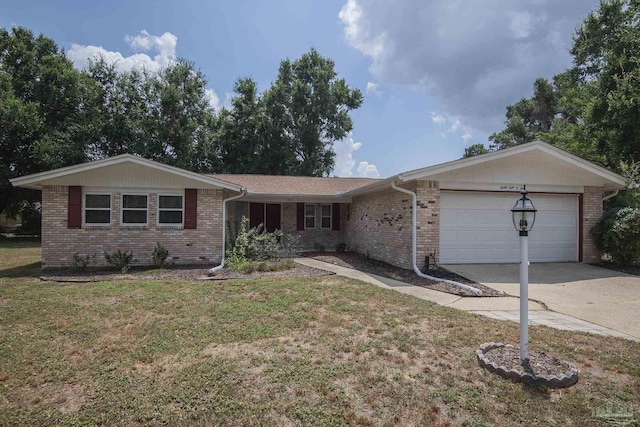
(477, 228)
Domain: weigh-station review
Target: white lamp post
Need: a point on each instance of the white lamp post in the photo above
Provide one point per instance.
(524, 216)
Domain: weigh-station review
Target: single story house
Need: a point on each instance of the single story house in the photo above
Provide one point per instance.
(462, 209)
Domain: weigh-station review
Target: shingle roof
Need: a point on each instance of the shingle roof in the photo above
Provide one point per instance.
(300, 185)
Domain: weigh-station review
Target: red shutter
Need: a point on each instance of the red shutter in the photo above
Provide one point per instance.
(335, 221)
(300, 216)
(190, 208)
(74, 207)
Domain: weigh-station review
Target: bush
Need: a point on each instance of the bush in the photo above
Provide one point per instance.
(80, 263)
(618, 235)
(159, 255)
(289, 245)
(120, 260)
(341, 247)
(254, 244)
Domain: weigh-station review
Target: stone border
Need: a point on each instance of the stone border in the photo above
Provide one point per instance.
(564, 380)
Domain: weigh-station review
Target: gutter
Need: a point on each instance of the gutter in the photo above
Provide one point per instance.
(224, 228)
(414, 241)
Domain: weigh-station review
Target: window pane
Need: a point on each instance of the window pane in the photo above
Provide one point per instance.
(170, 217)
(310, 210)
(97, 217)
(326, 210)
(309, 222)
(169, 202)
(326, 222)
(98, 201)
(134, 217)
(134, 201)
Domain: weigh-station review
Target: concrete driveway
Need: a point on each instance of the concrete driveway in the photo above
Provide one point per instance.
(598, 295)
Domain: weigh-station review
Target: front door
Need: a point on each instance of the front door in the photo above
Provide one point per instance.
(273, 217)
(267, 214)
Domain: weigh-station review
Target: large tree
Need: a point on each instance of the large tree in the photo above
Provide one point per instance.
(308, 108)
(42, 106)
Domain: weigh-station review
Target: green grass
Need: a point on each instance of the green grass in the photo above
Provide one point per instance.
(299, 351)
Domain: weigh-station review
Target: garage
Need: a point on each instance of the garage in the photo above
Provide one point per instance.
(476, 227)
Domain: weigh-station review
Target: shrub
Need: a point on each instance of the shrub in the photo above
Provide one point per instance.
(159, 255)
(80, 263)
(319, 247)
(289, 245)
(254, 244)
(618, 235)
(341, 247)
(120, 260)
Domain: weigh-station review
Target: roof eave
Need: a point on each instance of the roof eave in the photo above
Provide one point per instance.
(616, 181)
(34, 181)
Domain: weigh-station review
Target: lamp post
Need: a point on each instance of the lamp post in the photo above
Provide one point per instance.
(524, 216)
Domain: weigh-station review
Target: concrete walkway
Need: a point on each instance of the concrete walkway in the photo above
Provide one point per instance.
(501, 308)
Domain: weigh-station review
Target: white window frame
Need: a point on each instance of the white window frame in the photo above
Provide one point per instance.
(84, 208)
(122, 209)
(159, 209)
(324, 216)
(315, 213)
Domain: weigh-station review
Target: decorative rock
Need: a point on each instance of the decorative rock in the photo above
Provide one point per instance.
(560, 379)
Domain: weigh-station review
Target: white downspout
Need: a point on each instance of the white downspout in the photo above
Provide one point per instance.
(414, 221)
(609, 196)
(224, 228)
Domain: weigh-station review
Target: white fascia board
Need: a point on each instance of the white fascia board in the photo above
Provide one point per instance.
(288, 197)
(32, 181)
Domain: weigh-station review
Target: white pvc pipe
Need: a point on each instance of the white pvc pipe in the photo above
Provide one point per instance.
(224, 228)
(608, 196)
(524, 298)
(414, 220)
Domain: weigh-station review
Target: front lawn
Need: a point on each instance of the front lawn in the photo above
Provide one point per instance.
(296, 351)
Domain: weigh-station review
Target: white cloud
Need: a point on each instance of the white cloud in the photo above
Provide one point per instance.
(447, 124)
(162, 49)
(357, 32)
(374, 88)
(344, 161)
(471, 58)
(367, 170)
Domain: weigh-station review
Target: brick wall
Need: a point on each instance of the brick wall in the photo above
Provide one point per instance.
(380, 223)
(199, 246)
(591, 213)
(317, 237)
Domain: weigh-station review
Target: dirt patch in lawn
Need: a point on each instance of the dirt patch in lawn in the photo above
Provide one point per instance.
(368, 265)
(175, 273)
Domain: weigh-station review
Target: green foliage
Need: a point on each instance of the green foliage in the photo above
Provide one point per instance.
(253, 244)
(81, 263)
(591, 109)
(159, 255)
(120, 260)
(475, 150)
(249, 267)
(618, 235)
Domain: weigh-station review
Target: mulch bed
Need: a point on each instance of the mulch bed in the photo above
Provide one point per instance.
(368, 265)
(173, 273)
(541, 368)
(633, 269)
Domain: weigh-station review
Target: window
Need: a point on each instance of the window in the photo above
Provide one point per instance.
(97, 209)
(310, 216)
(134, 209)
(170, 210)
(325, 218)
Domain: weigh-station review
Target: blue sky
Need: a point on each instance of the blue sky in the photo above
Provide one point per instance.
(436, 74)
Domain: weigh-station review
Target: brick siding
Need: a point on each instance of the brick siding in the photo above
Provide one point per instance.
(198, 246)
(591, 213)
